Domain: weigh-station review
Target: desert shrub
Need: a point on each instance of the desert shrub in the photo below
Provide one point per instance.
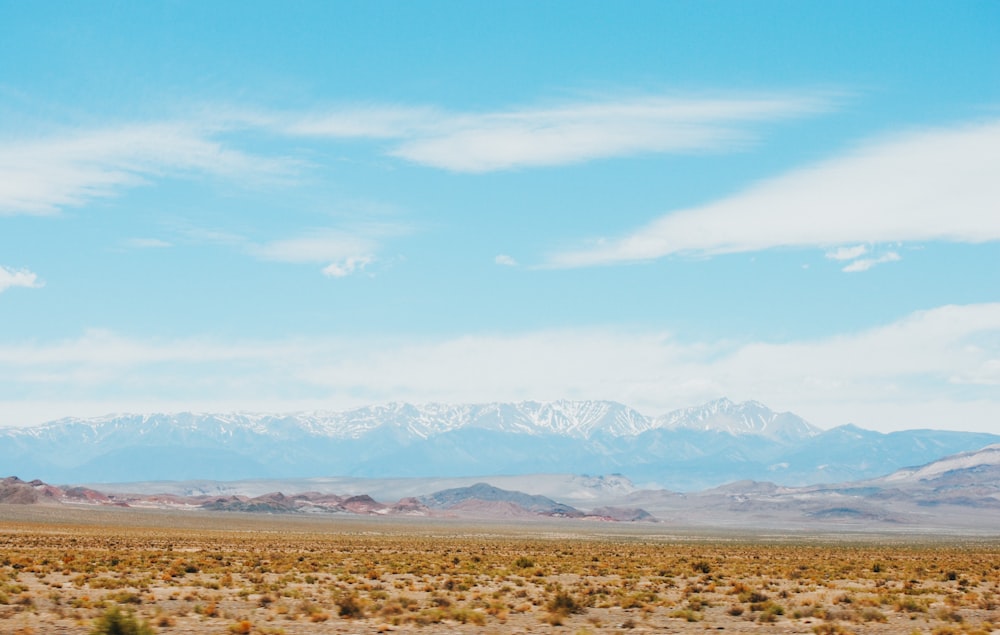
(563, 603)
(873, 615)
(209, 610)
(554, 619)
(165, 621)
(241, 628)
(115, 622)
(752, 597)
(770, 613)
(910, 605)
(687, 614)
(947, 615)
(468, 616)
(349, 606)
(810, 611)
(126, 597)
(697, 603)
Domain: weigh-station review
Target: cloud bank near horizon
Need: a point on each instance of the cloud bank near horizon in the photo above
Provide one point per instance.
(935, 368)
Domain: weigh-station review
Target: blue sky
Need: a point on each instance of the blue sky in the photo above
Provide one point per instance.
(277, 207)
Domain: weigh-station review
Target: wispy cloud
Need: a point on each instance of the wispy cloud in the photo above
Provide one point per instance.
(560, 135)
(936, 368)
(341, 252)
(10, 278)
(43, 176)
(856, 262)
(864, 264)
(505, 261)
(147, 243)
(926, 185)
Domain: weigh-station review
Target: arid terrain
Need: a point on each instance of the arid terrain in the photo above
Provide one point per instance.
(60, 569)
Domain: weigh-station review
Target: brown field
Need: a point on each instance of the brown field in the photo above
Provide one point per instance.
(202, 573)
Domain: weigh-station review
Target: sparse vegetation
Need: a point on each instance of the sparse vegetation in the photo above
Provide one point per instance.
(318, 578)
(114, 621)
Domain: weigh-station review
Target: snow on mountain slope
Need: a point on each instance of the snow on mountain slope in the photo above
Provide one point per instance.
(577, 419)
(990, 455)
(749, 417)
(688, 449)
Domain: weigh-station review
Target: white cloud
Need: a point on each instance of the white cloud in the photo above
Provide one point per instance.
(43, 176)
(347, 266)
(342, 252)
(10, 278)
(847, 253)
(864, 264)
(559, 135)
(505, 260)
(318, 246)
(928, 185)
(935, 368)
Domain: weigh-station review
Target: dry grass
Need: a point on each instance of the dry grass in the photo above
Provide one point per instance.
(265, 577)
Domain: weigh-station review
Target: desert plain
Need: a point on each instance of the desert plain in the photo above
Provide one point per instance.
(200, 572)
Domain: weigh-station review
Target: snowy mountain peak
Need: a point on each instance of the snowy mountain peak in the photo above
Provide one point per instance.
(578, 419)
(748, 417)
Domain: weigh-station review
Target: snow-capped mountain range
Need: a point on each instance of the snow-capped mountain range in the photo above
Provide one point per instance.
(576, 419)
(693, 448)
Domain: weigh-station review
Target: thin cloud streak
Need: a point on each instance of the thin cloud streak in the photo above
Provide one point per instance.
(40, 177)
(147, 243)
(315, 247)
(561, 135)
(342, 252)
(947, 358)
(43, 176)
(864, 264)
(928, 185)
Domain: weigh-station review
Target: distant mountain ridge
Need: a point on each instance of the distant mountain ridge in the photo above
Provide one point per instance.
(956, 494)
(486, 493)
(717, 442)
